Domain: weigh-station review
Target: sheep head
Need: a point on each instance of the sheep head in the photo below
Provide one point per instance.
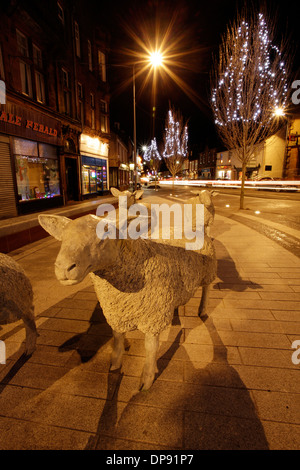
(81, 250)
(131, 197)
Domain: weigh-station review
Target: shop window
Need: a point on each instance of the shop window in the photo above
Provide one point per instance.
(90, 56)
(37, 170)
(102, 66)
(94, 176)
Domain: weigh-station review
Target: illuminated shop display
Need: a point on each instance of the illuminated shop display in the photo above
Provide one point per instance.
(37, 170)
(94, 175)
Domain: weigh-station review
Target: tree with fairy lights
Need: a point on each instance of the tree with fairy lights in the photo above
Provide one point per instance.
(175, 142)
(152, 156)
(249, 87)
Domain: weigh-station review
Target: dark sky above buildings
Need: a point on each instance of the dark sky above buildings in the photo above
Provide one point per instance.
(195, 30)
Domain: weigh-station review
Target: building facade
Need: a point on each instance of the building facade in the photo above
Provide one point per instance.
(120, 156)
(267, 160)
(292, 157)
(54, 114)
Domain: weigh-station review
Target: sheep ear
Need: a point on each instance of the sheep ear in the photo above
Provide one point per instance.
(138, 194)
(54, 224)
(115, 192)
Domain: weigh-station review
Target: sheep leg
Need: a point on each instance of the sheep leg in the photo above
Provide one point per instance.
(118, 351)
(150, 367)
(204, 301)
(31, 332)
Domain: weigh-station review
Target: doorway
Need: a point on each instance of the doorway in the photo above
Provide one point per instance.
(71, 179)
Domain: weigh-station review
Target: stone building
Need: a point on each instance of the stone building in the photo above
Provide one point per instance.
(54, 120)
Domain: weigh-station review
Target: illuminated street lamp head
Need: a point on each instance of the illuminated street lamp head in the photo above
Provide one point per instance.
(279, 112)
(156, 59)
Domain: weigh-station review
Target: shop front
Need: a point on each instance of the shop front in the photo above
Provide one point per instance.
(30, 175)
(94, 166)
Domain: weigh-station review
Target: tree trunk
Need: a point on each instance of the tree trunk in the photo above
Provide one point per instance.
(242, 195)
(173, 184)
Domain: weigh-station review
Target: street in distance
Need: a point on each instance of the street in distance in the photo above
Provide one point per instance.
(153, 459)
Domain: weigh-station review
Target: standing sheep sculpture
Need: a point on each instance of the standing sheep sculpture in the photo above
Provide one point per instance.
(16, 299)
(131, 197)
(205, 197)
(139, 283)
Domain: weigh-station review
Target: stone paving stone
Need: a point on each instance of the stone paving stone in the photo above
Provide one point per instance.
(211, 432)
(109, 443)
(267, 357)
(282, 436)
(269, 378)
(68, 325)
(23, 435)
(40, 376)
(286, 315)
(59, 409)
(152, 425)
(278, 406)
(258, 340)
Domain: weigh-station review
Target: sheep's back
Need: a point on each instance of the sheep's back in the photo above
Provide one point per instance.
(16, 294)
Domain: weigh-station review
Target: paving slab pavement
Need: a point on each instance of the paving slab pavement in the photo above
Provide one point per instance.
(225, 381)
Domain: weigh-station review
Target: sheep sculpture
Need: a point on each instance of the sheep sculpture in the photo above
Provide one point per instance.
(131, 197)
(205, 197)
(139, 283)
(16, 299)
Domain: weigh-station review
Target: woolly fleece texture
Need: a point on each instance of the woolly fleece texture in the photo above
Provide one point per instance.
(16, 299)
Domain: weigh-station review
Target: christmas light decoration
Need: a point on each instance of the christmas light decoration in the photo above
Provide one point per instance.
(151, 152)
(176, 138)
(252, 50)
(176, 142)
(250, 88)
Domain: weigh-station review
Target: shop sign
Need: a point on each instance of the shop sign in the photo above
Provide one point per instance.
(26, 123)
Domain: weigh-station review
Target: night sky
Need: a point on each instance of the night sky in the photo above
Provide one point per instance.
(198, 26)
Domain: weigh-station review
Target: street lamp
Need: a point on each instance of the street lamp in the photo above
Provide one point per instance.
(156, 60)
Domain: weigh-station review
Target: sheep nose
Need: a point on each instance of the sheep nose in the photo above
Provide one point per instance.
(70, 268)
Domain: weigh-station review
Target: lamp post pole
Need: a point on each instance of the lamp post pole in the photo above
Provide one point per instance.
(134, 132)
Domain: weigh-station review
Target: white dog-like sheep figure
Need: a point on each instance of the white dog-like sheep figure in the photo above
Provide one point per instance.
(139, 283)
(16, 299)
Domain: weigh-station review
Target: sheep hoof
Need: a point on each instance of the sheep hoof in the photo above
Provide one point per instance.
(114, 367)
(146, 383)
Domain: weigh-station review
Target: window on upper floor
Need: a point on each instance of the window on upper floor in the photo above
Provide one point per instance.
(26, 81)
(77, 38)
(40, 87)
(66, 91)
(90, 56)
(92, 101)
(22, 41)
(37, 56)
(80, 103)
(104, 117)
(2, 74)
(102, 66)
(60, 13)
